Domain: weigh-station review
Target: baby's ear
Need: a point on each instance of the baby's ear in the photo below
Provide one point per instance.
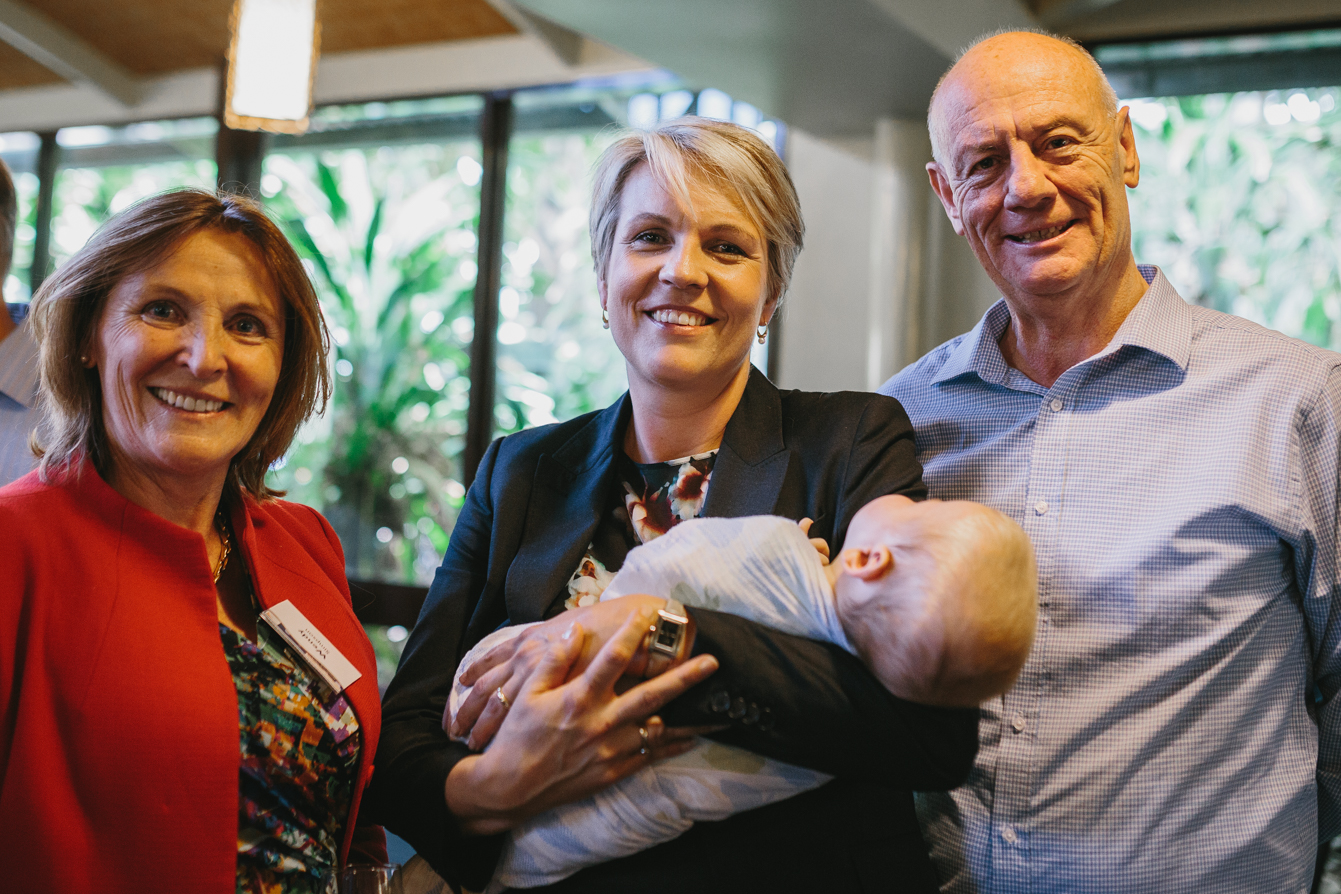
(867, 564)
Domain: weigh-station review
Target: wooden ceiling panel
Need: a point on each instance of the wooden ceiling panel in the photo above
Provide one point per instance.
(374, 24)
(146, 36)
(156, 36)
(17, 70)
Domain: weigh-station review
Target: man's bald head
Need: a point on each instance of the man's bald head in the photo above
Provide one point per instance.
(1008, 47)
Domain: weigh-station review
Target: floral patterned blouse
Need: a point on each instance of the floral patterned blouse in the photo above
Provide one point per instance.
(651, 498)
(300, 748)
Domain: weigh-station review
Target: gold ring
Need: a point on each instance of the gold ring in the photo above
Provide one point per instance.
(498, 694)
(642, 732)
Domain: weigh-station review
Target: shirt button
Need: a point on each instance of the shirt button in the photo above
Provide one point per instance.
(1056, 405)
(738, 708)
(721, 702)
(1018, 723)
(1041, 507)
(1008, 835)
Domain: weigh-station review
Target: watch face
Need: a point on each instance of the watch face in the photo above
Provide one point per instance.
(668, 636)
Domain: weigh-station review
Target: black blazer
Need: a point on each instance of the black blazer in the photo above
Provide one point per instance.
(527, 519)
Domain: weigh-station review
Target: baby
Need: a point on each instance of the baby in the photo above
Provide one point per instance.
(938, 599)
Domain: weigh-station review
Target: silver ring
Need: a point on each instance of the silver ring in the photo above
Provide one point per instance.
(642, 732)
(498, 694)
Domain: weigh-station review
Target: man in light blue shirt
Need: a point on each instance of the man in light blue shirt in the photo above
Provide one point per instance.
(18, 358)
(1176, 727)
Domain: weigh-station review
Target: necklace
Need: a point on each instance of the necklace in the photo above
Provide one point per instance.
(225, 544)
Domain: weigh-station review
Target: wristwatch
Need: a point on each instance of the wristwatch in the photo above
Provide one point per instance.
(667, 637)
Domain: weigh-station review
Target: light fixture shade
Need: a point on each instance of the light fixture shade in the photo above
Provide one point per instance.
(272, 62)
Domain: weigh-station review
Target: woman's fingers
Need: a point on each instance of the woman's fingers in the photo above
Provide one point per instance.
(613, 660)
(495, 712)
(476, 702)
(489, 660)
(651, 695)
(554, 664)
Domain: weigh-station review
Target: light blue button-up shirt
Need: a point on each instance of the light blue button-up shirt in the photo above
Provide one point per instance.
(18, 401)
(1180, 490)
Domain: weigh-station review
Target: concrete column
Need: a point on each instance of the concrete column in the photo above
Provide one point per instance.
(898, 248)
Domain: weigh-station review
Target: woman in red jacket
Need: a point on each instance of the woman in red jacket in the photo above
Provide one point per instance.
(158, 605)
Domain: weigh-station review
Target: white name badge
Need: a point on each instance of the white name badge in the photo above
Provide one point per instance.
(309, 642)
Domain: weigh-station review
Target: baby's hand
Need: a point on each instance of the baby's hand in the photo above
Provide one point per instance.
(821, 546)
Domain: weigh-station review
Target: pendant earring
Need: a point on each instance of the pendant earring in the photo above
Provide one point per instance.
(605, 319)
(763, 333)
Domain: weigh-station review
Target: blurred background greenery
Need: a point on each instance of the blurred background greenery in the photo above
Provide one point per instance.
(1240, 204)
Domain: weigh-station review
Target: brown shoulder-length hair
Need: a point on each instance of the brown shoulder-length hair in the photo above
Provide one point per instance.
(66, 311)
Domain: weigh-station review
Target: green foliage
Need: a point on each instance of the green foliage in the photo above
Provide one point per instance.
(86, 197)
(554, 359)
(390, 237)
(1240, 204)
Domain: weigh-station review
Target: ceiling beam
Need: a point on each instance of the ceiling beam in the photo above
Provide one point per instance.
(65, 54)
(1058, 13)
(563, 42)
(952, 26)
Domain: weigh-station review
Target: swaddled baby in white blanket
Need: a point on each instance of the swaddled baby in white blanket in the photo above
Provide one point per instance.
(938, 599)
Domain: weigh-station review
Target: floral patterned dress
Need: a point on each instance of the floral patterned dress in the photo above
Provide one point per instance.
(652, 498)
(300, 748)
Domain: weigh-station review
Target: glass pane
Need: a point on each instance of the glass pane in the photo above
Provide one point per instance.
(1240, 204)
(555, 360)
(384, 212)
(105, 169)
(19, 151)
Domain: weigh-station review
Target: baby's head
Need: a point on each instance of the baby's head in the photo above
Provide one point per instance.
(939, 598)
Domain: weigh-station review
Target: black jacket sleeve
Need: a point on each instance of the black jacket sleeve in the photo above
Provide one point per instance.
(415, 756)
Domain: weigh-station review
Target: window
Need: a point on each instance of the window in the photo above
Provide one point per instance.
(1240, 191)
(19, 151)
(1240, 204)
(102, 170)
(382, 202)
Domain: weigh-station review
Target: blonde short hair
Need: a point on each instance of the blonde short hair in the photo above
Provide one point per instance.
(66, 311)
(724, 156)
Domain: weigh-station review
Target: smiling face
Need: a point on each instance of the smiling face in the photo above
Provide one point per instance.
(685, 289)
(188, 355)
(1034, 169)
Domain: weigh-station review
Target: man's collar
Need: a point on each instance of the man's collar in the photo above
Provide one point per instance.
(1161, 322)
(18, 367)
(978, 352)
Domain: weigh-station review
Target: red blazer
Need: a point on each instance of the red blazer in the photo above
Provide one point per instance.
(119, 742)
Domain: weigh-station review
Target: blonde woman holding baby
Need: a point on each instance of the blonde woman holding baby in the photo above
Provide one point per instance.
(695, 228)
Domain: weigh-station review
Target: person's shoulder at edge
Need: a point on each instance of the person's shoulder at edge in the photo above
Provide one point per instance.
(1209, 326)
(28, 495)
(923, 370)
(526, 446)
(824, 409)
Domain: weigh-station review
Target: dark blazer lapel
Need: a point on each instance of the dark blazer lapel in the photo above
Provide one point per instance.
(748, 474)
(567, 497)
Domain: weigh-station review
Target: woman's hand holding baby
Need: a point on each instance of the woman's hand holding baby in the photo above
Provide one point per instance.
(568, 734)
(507, 666)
